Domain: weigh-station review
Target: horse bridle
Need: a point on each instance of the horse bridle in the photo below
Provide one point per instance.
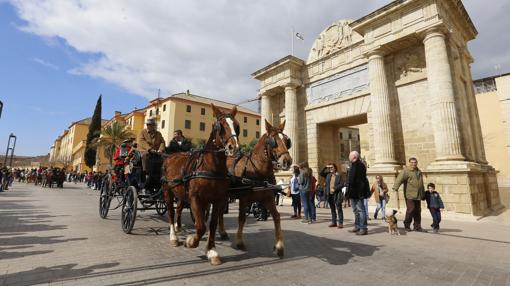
(218, 127)
(271, 146)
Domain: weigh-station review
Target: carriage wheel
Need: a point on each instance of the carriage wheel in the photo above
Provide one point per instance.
(129, 209)
(104, 200)
(161, 207)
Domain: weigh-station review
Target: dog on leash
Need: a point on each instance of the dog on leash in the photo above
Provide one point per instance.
(392, 223)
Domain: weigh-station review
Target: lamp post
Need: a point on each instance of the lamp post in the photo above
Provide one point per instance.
(1, 108)
(9, 148)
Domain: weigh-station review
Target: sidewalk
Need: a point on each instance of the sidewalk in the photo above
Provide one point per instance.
(55, 237)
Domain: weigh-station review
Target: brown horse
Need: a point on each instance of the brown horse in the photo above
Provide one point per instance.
(269, 154)
(202, 178)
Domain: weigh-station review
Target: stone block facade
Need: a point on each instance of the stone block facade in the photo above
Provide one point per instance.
(403, 72)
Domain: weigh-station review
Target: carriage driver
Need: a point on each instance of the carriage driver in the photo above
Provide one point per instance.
(150, 140)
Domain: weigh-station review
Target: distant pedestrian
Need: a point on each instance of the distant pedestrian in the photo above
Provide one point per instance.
(358, 189)
(380, 192)
(305, 189)
(294, 192)
(414, 192)
(435, 206)
(333, 194)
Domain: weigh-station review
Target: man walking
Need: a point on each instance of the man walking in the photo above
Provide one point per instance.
(414, 192)
(333, 194)
(358, 189)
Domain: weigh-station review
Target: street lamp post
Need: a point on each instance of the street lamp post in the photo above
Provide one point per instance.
(1, 108)
(9, 148)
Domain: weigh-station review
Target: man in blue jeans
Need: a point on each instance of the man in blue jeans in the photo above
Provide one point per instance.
(357, 190)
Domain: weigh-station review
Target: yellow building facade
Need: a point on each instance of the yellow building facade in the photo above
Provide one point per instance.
(493, 100)
(190, 113)
(193, 115)
(68, 149)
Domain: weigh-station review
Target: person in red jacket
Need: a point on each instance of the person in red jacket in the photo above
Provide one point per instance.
(120, 156)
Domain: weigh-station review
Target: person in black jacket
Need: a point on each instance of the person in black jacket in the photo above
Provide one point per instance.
(358, 189)
(333, 194)
(179, 143)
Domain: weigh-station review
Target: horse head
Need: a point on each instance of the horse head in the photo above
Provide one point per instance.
(226, 130)
(277, 146)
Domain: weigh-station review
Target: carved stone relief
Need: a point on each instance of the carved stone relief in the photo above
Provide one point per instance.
(333, 38)
(410, 62)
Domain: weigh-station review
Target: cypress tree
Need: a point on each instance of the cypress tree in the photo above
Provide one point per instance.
(93, 134)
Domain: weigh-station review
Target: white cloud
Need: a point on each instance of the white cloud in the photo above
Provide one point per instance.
(208, 47)
(45, 63)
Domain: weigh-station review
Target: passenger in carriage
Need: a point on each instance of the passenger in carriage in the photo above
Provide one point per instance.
(179, 143)
(121, 154)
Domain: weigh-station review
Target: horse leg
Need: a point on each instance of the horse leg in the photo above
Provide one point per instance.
(192, 241)
(180, 206)
(243, 204)
(168, 196)
(211, 252)
(270, 204)
(221, 227)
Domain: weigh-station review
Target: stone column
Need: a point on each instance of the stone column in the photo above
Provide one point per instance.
(291, 120)
(447, 136)
(265, 111)
(384, 149)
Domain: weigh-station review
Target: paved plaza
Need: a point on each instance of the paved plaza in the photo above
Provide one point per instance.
(55, 237)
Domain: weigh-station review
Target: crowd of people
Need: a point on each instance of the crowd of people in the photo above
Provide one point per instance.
(337, 191)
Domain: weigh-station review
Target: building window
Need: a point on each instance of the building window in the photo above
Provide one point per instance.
(163, 124)
(188, 108)
(187, 124)
(358, 137)
(202, 111)
(350, 135)
(164, 107)
(150, 113)
(341, 136)
(258, 121)
(157, 111)
(202, 126)
(245, 119)
(245, 132)
(257, 134)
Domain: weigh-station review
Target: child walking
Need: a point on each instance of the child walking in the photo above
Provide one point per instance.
(435, 205)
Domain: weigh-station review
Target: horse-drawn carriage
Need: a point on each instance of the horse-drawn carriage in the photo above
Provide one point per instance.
(210, 177)
(53, 177)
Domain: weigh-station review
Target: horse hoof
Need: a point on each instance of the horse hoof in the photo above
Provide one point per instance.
(279, 252)
(174, 243)
(189, 242)
(215, 261)
(241, 246)
(224, 236)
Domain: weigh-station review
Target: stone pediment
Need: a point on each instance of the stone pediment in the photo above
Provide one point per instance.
(338, 35)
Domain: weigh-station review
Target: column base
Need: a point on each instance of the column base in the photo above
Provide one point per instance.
(384, 169)
(465, 187)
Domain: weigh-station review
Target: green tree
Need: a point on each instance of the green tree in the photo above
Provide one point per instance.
(246, 148)
(112, 137)
(197, 144)
(92, 135)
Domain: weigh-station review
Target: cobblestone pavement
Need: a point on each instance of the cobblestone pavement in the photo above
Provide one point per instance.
(55, 237)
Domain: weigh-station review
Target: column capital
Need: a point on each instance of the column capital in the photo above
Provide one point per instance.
(434, 32)
(376, 53)
(290, 86)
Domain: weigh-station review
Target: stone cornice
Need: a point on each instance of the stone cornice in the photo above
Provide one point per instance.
(288, 60)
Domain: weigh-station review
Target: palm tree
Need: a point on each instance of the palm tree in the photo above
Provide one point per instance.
(111, 137)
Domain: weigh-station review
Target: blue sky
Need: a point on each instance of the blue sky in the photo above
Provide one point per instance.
(40, 96)
(56, 57)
